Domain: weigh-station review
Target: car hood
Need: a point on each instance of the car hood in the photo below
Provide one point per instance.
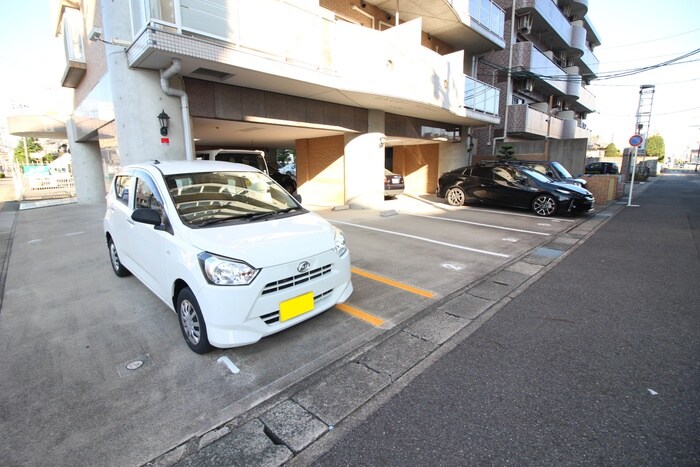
(581, 181)
(573, 188)
(266, 243)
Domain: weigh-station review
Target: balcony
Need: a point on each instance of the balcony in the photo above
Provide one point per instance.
(319, 58)
(531, 123)
(480, 96)
(474, 25)
(71, 28)
(557, 33)
(530, 62)
(586, 101)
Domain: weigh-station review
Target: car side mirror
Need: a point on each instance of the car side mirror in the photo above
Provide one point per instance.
(297, 197)
(146, 216)
(550, 174)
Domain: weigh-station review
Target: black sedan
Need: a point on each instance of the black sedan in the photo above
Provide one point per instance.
(510, 186)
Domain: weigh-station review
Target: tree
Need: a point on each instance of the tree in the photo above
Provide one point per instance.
(612, 151)
(656, 147)
(506, 152)
(32, 147)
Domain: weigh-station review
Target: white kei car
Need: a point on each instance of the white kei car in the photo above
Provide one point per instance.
(224, 246)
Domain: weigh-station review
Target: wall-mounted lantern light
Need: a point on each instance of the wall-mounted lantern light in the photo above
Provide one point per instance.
(163, 120)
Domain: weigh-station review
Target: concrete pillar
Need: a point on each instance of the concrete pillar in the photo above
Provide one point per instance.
(455, 155)
(137, 98)
(87, 169)
(364, 165)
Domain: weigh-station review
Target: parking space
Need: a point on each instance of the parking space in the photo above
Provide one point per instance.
(71, 332)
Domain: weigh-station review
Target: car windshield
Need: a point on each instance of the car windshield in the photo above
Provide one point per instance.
(207, 198)
(561, 170)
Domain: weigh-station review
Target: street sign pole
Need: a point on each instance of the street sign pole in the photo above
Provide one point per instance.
(635, 141)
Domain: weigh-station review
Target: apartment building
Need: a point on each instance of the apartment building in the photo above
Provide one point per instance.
(352, 86)
(544, 98)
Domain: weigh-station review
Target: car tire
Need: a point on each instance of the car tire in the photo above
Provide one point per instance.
(114, 260)
(544, 205)
(455, 196)
(192, 324)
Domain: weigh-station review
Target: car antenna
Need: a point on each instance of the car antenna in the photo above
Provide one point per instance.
(156, 161)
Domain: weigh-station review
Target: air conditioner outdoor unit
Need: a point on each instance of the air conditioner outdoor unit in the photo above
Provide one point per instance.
(524, 24)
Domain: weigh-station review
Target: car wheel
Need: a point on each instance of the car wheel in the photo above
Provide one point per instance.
(192, 325)
(114, 260)
(544, 205)
(455, 196)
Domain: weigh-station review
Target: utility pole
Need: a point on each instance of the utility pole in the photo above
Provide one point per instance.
(646, 100)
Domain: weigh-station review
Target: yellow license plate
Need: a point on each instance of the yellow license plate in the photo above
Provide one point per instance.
(296, 306)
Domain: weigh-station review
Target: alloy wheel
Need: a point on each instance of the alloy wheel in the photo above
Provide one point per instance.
(190, 322)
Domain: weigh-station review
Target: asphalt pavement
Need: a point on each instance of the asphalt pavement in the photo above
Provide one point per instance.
(583, 351)
(594, 363)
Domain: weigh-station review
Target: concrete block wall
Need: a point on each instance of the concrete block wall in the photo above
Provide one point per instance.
(605, 188)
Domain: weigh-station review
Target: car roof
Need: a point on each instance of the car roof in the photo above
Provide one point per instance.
(196, 166)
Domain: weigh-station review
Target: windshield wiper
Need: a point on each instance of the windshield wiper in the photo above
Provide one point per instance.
(295, 208)
(217, 220)
(261, 215)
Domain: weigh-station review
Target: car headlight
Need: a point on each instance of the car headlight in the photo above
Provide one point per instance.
(565, 192)
(340, 246)
(224, 271)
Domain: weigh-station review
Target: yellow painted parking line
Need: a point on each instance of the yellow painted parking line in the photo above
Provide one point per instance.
(399, 285)
(359, 314)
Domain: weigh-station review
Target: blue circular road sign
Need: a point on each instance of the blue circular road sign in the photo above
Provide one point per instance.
(636, 140)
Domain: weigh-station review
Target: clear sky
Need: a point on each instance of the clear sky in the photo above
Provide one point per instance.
(31, 59)
(635, 34)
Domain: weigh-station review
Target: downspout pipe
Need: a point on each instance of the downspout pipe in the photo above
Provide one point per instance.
(165, 76)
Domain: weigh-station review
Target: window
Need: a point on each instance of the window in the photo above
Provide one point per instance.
(482, 172)
(504, 175)
(122, 185)
(147, 195)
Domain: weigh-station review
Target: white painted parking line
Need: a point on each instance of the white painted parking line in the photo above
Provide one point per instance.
(423, 239)
(479, 224)
(509, 213)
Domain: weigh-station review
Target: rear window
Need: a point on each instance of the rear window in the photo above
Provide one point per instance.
(247, 159)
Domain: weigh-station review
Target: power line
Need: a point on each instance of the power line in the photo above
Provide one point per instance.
(656, 114)
(651, 40)
(637, 85)
(603, 76)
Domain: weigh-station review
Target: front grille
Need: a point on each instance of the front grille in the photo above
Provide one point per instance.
(293, 281)
(274, 317)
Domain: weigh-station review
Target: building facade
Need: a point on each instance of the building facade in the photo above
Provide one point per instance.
(542, 75)
(351, 86)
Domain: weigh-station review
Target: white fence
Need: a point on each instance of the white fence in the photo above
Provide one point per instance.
(43, 186)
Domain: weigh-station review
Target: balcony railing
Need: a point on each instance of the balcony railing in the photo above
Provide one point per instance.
(526, 121)
(317, 51)
(487, 14)
(480, 96)
(73, 41)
